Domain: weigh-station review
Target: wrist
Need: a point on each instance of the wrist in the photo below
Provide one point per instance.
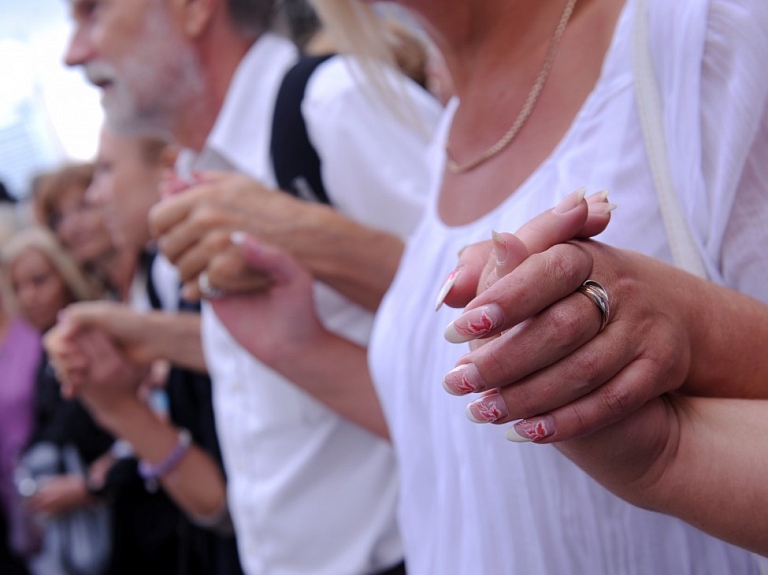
(117, 413)
(153, 472)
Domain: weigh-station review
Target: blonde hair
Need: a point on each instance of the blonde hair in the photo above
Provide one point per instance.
(38, 238)
(378, 44)
(9, 225)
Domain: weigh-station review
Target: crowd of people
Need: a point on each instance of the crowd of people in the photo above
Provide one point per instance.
(321, 248)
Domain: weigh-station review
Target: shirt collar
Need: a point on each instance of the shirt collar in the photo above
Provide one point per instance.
(240, 137)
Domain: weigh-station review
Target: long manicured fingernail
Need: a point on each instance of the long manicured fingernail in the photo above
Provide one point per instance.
(527, 430)
(571, 201)
(487, 409)
(602, 208)
(602, 195)
(474, 324)
(499, 247)
(463, 379)
(445, 289)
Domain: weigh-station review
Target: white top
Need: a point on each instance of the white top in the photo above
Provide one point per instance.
(309, 492)
(472, 502)
(165, 280)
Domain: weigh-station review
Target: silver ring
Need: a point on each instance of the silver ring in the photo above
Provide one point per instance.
(599, 296)
(206, 289)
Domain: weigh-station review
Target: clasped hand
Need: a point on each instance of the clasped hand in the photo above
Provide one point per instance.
(537, 355)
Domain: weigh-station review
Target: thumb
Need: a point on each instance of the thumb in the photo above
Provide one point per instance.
(276, 264)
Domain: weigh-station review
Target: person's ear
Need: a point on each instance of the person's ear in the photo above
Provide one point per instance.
(195, 16)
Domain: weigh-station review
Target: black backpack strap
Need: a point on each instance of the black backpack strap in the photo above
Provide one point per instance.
(296, 163)
(146, 261)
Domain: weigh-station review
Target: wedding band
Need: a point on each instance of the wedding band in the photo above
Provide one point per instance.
(599, 296)
(206, 289)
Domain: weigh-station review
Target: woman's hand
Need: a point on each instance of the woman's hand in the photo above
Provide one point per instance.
(59, 494)
(279, 327)
(90, 365)
(536, 352)
(274, 322)
(549, 365)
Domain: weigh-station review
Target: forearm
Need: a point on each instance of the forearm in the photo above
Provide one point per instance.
(196, 484)
(335, 372)
(703, 460)
(716, 479)
(728, 343)
(357, 261)
(176, 337)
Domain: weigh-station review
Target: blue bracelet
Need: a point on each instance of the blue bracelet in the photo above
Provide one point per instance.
(152, 473)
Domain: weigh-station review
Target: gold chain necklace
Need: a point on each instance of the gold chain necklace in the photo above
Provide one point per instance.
(530, 102)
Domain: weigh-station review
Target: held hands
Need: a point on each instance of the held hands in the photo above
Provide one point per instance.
(193, 228)
(538, 356)
(90, 364)
(271, 323)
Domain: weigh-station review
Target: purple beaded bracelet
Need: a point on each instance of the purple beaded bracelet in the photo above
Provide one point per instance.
(152, 473)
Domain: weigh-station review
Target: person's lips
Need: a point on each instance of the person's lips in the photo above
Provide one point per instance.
(100, 75)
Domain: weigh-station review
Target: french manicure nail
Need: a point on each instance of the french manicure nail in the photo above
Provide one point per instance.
(445, 289)
(463, 379)
(474, 324)
(499, 247)
(527, 430)
(571, 201)
(487, 409)
(602, 208)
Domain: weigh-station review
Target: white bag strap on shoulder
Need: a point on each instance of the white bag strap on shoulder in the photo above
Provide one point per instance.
(682, 244)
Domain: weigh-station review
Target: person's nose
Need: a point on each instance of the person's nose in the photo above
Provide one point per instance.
(79, 49)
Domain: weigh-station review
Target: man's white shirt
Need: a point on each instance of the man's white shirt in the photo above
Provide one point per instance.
(309, 492)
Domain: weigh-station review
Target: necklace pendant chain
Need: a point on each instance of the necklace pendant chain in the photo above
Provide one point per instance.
(530, 102)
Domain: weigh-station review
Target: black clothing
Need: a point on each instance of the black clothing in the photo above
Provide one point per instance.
(9, 563)
(144, 525)
(202, 551)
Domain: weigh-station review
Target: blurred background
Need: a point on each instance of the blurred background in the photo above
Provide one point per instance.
(47, 113)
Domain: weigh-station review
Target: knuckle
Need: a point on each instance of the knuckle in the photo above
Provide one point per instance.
(564, 323)
(579, 422)
(560, 264)
(206, 216)
(615, 401)
(224, 268)
(589, 367)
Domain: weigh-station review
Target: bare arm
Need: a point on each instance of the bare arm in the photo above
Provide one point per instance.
(196, 484)
(91, 366)
(668, 331)
(144, 337)
(194, 228)
(279, 327)
(704, 460)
